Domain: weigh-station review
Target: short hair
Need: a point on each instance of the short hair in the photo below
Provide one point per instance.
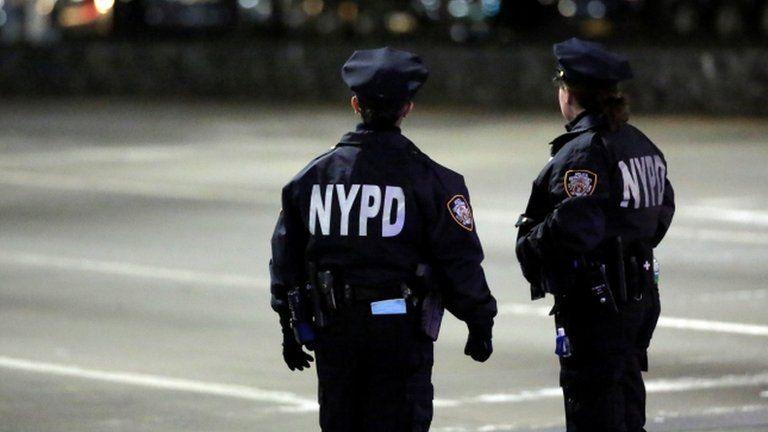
(381, 115)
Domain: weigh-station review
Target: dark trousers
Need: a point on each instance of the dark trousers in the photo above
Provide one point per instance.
(602, 380)
(613, 402)
(374, 373)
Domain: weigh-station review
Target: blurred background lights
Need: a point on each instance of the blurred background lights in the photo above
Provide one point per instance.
(401, 22)
(44, 7)
(596, 9)
(103, 6)
(547, 2)
(348, 11)
(313, 7)
(567, 8)
(458, 8)
(431, 5)
(491, 8)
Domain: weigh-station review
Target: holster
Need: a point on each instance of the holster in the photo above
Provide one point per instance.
(319, 312)
(300, 318)
(432, 309)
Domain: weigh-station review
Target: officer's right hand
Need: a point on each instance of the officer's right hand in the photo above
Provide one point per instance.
(479, 345)
(294, 355)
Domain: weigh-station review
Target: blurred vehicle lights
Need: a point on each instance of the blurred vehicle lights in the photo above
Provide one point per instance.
(401, 22)
(313, 7)
(597, 28)
(567, 8)
(104, 6)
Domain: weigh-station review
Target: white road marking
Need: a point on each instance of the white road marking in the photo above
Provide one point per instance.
(659, 417)
(289, 401)
(664, 322)
(713, 326)
(764, 394)
(294, 403)
(132, 270)
(676, 385)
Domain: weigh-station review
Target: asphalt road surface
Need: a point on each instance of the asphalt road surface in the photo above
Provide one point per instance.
(134, 241)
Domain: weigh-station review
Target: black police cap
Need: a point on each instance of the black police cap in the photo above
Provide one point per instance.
(384, 75)
(588, 63)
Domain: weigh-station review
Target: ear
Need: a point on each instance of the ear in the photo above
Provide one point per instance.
(407, 109)
(355, 103)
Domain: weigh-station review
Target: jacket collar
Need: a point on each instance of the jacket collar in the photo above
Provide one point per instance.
(364, 133)
(584, 122)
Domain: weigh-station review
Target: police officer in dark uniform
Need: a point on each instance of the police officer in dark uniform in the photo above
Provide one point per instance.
(597, 210)
(385, 237)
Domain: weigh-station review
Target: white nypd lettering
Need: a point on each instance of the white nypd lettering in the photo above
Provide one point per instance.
(661, 177)
(345, 202)
(370, 204)
(644, 180)
(391, 228)
(320, 208)
(367, 200)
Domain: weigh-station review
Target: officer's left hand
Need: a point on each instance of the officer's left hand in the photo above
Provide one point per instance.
(479, 345)
(295, 357)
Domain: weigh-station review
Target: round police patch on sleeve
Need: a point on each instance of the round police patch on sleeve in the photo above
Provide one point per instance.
(461, 212)
(579, 183)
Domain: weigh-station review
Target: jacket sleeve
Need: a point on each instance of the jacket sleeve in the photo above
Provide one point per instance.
(667, 213)
(577, 186)
(457, 254)
(289, 242)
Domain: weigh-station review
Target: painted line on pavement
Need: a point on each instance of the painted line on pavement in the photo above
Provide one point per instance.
(676, 385)
(659, 417)
(664, 322)
(764, 394)
(294, 403)
(288, 401)
(713, 326)
(132, 270)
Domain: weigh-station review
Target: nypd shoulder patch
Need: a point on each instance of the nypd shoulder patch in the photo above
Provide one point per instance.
(579, 183)
(461, 212)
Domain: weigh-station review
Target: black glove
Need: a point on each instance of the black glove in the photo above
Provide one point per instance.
(479, 345)
(293, 354)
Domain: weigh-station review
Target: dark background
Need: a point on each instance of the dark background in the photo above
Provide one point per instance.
(697, 56)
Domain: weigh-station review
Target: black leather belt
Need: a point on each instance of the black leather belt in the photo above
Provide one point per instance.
(371, 294)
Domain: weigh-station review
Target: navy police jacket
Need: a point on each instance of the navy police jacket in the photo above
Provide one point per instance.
(599, 185)
(375, 207)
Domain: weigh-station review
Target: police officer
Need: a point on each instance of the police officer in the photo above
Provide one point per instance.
(388, 236)
(597, 210)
